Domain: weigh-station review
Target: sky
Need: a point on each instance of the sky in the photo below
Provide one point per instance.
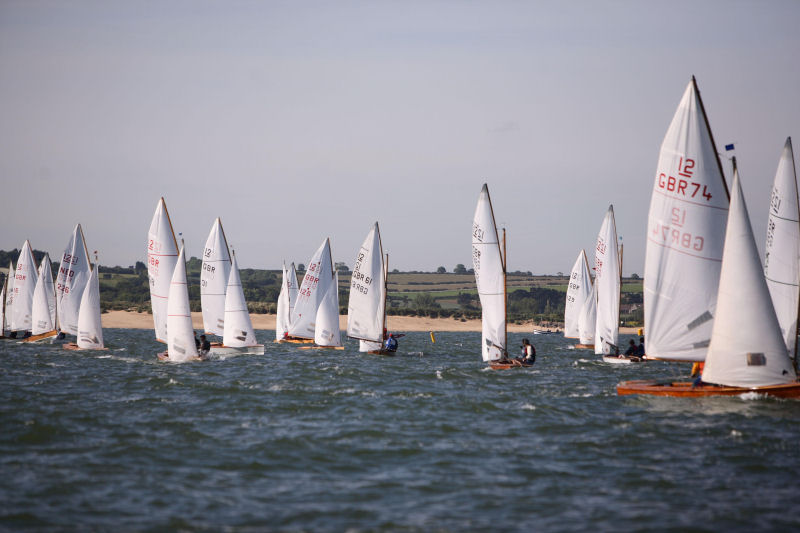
(297, 121)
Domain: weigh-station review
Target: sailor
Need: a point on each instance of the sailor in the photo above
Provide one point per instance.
(196, 341)
(391, 343)
(631, 348)
(640, 349)
(205, 346)
(528, 355)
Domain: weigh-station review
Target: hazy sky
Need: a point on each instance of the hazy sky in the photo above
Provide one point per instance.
(295, 121)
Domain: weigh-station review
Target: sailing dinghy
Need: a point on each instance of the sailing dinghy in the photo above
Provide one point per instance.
(366, 310)
(747, 353)
(685, 236)
(162, 256)
(578, 290)
(238, 337)
(318, 278)
(326, 326)
(214, 276)
(490, 278)
(90, 326)
(782, 250)
(43, 312)
(25, 278)
(73, 274)
(286, 301)
(180, 332)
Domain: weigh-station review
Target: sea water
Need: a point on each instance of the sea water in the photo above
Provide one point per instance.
(323, 440)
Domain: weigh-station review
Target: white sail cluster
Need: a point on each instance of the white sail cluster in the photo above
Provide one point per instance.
(685, 234)
(73, 274)
(316, 282)
(43, 311)
(489, 265)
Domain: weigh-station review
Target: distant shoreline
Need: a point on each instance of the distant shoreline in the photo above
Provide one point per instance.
(134, 320)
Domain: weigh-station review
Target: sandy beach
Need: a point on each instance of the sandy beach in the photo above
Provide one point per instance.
(133, 320)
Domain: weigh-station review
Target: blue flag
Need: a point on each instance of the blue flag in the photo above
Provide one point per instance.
(728, 147)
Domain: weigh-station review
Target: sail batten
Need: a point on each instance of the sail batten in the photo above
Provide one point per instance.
(686, 230)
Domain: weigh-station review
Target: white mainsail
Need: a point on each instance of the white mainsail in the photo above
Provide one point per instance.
(587, 320)
(579, 289)
(162, 252)
(607, 281)
(90, 326)
(686, 230)
(3, 308)
(24, 284)
(214, 279)
(9, 297)
(238, 327)
(747, 349)
(782, 250)
(319, 276)
(366, 310)
(286, 300)
(180, 333)
(43, 311)
(326, 329)
(490, 278)
(73, 274)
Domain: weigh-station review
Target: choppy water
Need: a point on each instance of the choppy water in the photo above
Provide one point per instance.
(333, 441)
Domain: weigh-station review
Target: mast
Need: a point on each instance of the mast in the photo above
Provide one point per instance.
(711, 136)
(385, 290)
(505, 292)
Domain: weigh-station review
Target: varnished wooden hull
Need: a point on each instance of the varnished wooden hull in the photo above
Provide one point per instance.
(382, 352)
(687, 390)
(315, 347)
(584, 346)
(41, 336)
(296, 340)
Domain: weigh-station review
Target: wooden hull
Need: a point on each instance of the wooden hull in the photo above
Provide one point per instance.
(164, 356)
(316, 347)
(382, 352)
(496, 365)
(74, 347)
(41, 336)
(685, 389)
(584, 346)
(296, 340)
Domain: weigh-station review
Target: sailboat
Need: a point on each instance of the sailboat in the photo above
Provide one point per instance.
(162, 254)
(214, 276)
(180, 333)
(607, 280)
(366, 310)
(490, 278)
(73, 274)
(782, 250)
(25, 279)
(326, 326)
(578, 290)
(8, 300)
(317, 280)
(238, 336)
(685, 236)
(286, 301)
(747, 352)
(90, 326)
(3, 306)
(43, 311)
